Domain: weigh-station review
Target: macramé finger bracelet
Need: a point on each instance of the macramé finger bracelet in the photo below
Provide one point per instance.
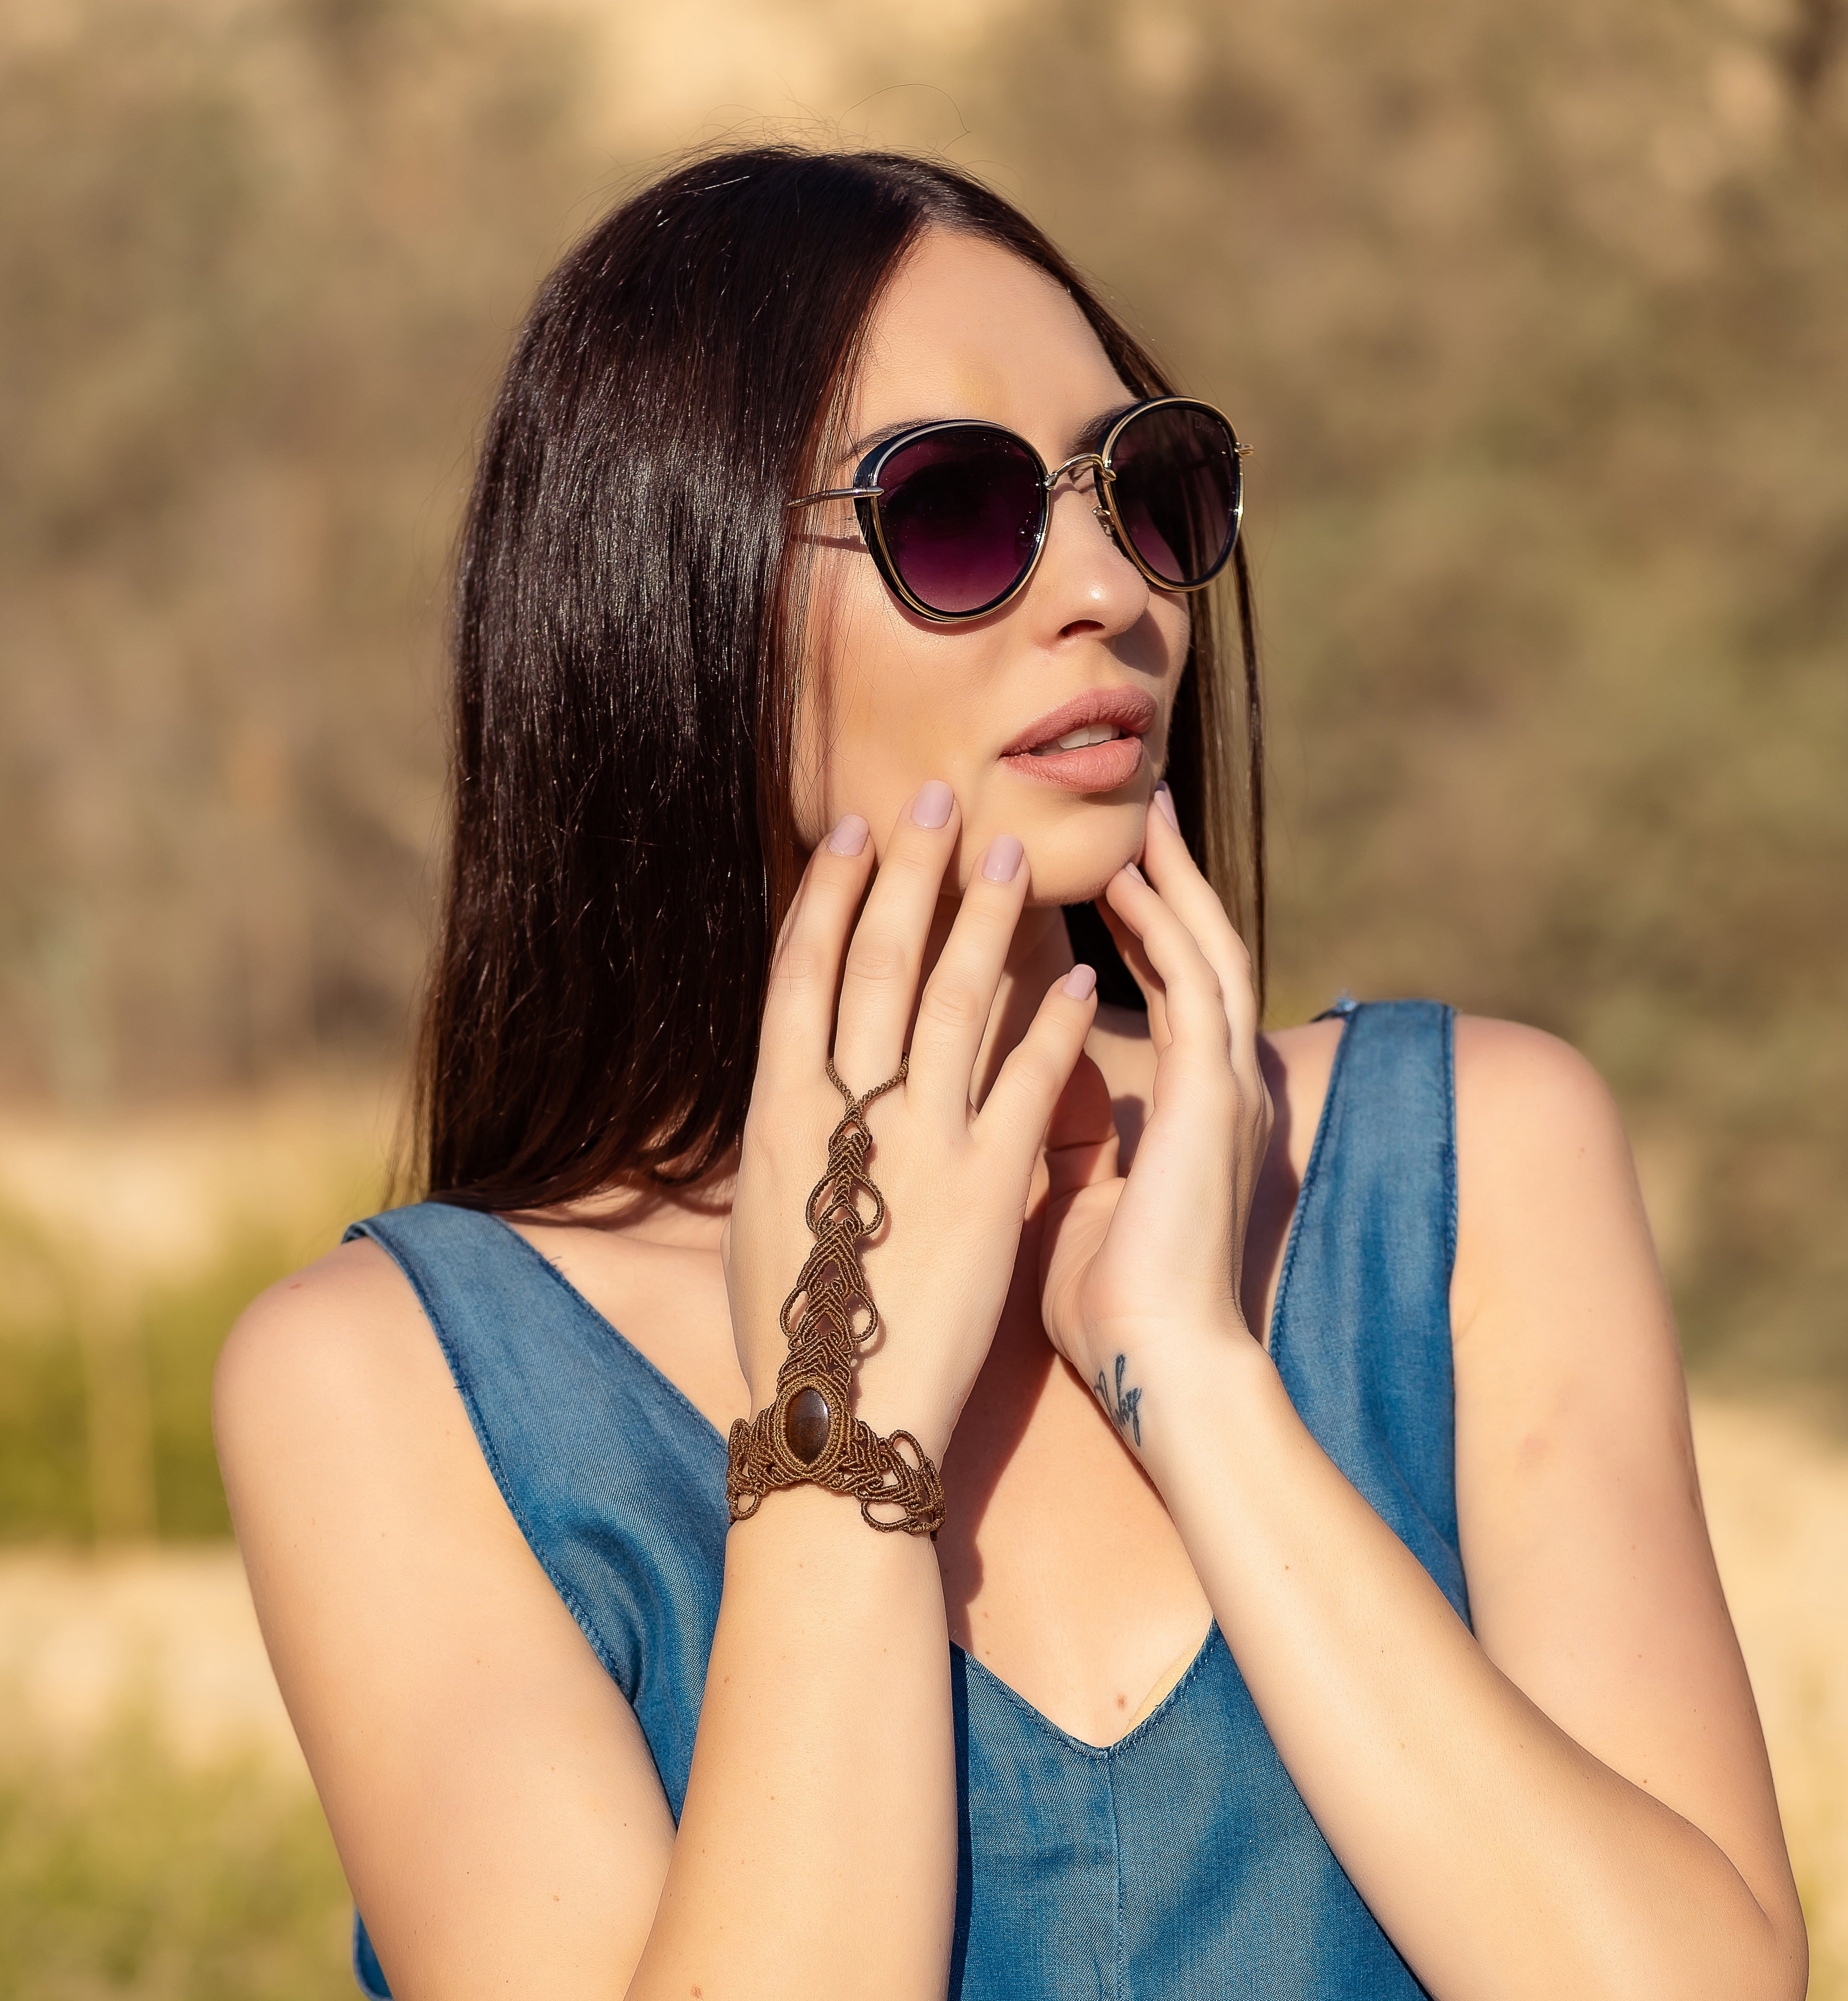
(809, 1435)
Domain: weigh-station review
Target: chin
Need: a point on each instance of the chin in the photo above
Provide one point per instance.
(1072, 862)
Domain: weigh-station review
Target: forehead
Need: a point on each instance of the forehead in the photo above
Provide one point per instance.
(968, 329)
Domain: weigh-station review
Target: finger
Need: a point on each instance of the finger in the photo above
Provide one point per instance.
(959, 997)
(1080, 1137)
(1017, 1112)
(886, 956)
(805, 969)
(1191, 990)
(1179, 880)
(1129, 949)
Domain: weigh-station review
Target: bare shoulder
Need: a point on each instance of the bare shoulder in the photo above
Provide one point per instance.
(327, 1379)
(485, 1781)
(1508, 1071)
(1541, 1157)
(350, 1314)
(339, 1428)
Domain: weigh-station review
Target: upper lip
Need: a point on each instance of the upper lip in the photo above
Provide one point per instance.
(1129, 709)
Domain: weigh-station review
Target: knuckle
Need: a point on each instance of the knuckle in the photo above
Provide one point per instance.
(1033, 1073)
(879, 959)
(953, 1004)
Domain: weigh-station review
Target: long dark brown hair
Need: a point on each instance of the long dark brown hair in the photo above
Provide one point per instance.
(629, 632)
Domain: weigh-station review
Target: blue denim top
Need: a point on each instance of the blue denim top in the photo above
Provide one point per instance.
(1180, 1861)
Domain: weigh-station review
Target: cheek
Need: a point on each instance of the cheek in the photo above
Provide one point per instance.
(866, 708)
(888, 701)
(1170, 631)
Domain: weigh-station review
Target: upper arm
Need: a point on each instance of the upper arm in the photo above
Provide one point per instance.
(1592, 1582)
(492, 1796)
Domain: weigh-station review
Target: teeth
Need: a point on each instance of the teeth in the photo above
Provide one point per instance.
(1077, 739)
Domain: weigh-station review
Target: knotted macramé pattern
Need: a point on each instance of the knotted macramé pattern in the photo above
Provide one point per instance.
(808, 1435)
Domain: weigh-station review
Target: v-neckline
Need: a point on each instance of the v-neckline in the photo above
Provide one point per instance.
(1029, 1711)
(1195, 1667)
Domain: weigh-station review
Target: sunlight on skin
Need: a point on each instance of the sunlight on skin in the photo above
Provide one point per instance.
(967, 330)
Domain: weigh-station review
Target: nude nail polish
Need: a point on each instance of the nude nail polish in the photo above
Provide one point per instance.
(1165, 800)
(849, 837)
(931, 808)
(1002, 863)
(1079, 981)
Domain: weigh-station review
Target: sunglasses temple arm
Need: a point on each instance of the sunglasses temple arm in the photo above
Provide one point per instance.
(838, 493)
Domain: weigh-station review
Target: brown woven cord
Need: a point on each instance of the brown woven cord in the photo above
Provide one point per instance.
(808, 1435)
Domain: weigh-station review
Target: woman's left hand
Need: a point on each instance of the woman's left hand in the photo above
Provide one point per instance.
(1130, 1265)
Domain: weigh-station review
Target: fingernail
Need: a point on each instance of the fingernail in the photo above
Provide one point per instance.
(1079, 981)
(931, 808)
(1165, 800)
(849, 837)
(1130, 868)
(1002, 863)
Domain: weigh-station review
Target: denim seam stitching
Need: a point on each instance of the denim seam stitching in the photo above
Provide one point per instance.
(1121, 1971)
(657, 1376)
(1195, 1667)
(1311, 1175)
(1448, 1037)
(459, 1375)
(1045, 1725)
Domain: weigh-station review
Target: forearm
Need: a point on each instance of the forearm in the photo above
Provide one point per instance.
(816, 1853)
(1500, 1856)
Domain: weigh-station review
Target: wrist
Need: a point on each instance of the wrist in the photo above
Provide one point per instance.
(1166, 1391)
(885, 1406)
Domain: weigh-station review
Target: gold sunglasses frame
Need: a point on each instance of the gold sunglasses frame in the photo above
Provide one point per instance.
(866, 499)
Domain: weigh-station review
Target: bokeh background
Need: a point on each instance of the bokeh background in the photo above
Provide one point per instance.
(1535, 316)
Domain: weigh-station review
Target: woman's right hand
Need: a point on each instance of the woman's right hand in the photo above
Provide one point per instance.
(955, 1180)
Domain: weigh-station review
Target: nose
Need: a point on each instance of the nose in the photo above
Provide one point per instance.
(1090, 581)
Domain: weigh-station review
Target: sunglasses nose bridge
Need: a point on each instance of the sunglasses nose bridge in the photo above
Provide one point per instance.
(1076, 466)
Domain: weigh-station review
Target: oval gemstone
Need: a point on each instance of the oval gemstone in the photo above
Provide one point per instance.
(805, 1425)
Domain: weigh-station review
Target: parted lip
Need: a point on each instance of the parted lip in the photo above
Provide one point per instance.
(1126, 709)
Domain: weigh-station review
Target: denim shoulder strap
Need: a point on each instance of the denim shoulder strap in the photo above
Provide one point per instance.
(617, 1481)
(1363, 1333)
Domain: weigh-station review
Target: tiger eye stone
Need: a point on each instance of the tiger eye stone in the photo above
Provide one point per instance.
(805, 1425)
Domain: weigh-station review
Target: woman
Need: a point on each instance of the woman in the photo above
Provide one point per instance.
(1320, 1603)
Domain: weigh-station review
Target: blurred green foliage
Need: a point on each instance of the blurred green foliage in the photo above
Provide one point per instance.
(173, 1330)
(131, 1875)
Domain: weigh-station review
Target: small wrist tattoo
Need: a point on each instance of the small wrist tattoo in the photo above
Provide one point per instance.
(1125, 1412)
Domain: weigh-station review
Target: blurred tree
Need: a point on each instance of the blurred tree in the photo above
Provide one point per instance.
(257, 265)
(1534, 317)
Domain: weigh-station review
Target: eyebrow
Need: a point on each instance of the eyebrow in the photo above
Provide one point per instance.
(1087, 439)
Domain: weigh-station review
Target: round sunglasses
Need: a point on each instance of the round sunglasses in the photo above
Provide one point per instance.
(955, 513)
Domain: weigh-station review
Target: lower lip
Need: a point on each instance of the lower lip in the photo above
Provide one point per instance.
(1098, 767)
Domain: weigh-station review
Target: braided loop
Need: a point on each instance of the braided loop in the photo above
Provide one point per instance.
(808, 1434)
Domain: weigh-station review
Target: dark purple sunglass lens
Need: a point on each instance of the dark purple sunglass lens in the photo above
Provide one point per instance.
(1177, 491)
(962, 510)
